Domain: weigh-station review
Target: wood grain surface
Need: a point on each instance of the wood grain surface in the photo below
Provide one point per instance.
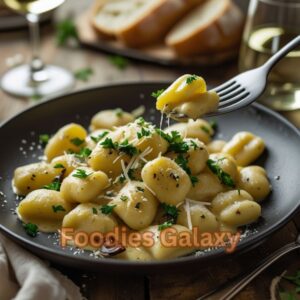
(175, 286)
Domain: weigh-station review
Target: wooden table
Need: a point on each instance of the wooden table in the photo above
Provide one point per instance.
(166, 286)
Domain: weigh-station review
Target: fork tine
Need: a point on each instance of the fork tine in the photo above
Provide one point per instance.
(219, 88)
(234, 100)
(229, 89)
(231, 94)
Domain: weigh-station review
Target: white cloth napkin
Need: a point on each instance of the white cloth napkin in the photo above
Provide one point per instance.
(26, 277)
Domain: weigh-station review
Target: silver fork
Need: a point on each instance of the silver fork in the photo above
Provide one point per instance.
(245, 88)
(232, 288)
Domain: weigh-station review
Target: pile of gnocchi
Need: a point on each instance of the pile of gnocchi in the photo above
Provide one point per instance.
(127, 172)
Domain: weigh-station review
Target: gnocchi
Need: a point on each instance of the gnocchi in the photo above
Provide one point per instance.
(125, 173)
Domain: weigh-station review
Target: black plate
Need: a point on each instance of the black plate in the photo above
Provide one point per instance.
(16, 136)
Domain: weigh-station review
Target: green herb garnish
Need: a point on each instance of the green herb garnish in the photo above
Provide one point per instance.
(140, 189)
(66, 30)
(191, 78)
(82, 174)
(124, 198)
(214, 125)
(77, 141)
(165, 225)
(54, 186)
(119, 112)
(94, 210)
(171, 211)
(143, 133)
(109, 144)
(96, 139)
(183, 163)
(107, 209)
(83, 153)
(57, 208)
(84, 74)
(224, 177)
(59, 166)
(44, 138)
(127, 148)
(119, 62)
(205, 129)
(157, 93)
(31, 229)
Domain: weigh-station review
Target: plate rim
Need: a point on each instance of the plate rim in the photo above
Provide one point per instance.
(111, 262)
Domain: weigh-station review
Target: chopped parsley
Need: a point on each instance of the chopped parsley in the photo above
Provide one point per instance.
(94, 210)
(183, 163)
(224, 177)
(109, 144)
(54, 186)
(83, 153)
(59, 166)
(157, 93)
(65, 31)
(141, 121)
(82, 174)
(84, 74)
(124, 198)
(31, 229)
(140, 189)
(194, 145)
(175, 140)
(205, 129)
(127, 148)
(119, 62)
(119, 112)
(44, 138)
(77, 141)
(191, 78)
(57, 208)
(107, 209)
(165, 225)
(171, 211)
(214, 125)
(143, 133)
(99, 137)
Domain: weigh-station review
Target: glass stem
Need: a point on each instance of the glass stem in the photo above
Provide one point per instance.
(37, 72)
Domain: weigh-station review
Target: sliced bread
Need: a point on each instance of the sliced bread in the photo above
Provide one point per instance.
(139, 23)
(214, 26)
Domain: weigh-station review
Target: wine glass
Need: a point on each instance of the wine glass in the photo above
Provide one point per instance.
(270, 25)
(35, 78)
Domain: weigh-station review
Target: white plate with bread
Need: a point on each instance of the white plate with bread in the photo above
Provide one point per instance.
(168, 32)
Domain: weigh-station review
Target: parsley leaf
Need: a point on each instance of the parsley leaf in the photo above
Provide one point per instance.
(143, 133)
(171, 211)
(157, 93)
(96, 139)
(44, 138)
(127, 148)
(31, 229)
(94, 210)
(107, 209)
(140, 189)
(224, 177)
(83, 153)
(109, 144)
(77, 141)
(57, 208)
(213, 125)
(66, 30)
(119, 112)
(54, 186)
(59, 166)
(205, 129)
(165, 225)
(84, 74)
(82, 174)
(123, 198)
(191, 78)
(183, 163)
(119, 61)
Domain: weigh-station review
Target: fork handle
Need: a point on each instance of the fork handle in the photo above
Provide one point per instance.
(281, 53)
(232, 288)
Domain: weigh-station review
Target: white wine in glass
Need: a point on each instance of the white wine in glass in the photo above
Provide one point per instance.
(270, 25)
(35, 78)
